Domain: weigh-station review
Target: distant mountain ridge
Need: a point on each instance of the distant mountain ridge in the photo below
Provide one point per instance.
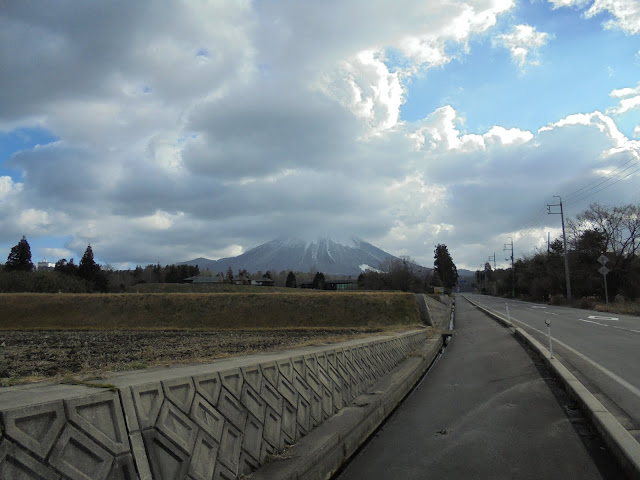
(288, 253)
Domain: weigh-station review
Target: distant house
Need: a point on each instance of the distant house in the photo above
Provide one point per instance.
(263, 282)
(198, 279)
(45, 266)
(340, 285)
(332, 285)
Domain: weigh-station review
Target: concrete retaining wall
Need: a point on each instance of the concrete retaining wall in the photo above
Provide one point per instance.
(218, 420)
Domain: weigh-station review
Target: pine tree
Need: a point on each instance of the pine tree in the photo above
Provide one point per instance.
(318, 281)
(88, 268)
(291, 280)
(445, 267)
(20, 257)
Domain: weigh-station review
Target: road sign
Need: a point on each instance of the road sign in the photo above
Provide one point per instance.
(603, 270)
(603, 259)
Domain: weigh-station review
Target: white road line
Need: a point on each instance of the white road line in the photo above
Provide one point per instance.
(550, 313)
(596, 317)
(591, 321)
(633, 389)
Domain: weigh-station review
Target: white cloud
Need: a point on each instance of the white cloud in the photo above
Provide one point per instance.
(524, 42)
(625, 14)
(8, 186)
(636, 131)
(629, 100)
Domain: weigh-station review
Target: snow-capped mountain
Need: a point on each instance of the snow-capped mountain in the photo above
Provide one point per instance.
(323, 255)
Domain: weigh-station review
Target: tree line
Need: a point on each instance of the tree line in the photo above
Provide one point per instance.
(406, 275)
(599, 230)
(18, 274)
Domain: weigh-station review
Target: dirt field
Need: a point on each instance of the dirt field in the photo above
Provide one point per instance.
(35, 355)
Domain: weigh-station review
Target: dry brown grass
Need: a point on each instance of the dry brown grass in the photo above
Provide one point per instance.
(207, 310)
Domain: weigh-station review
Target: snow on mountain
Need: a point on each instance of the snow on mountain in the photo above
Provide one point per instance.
(289, 253)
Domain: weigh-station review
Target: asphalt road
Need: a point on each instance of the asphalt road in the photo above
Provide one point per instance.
(601, 349)
(487, 409)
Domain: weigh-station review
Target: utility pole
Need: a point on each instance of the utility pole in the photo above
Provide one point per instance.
(508, 246)
(494, 260)
(564, 241)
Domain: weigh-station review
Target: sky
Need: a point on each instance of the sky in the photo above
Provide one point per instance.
(158, 133)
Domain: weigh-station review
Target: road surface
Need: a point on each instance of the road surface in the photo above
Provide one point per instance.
(487, 409)
(601, 349)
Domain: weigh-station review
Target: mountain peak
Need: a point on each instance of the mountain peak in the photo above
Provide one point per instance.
(324, 253)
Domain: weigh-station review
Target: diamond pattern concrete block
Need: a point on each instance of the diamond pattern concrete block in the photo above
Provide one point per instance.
(285, 440)
(148, 401)
(312, 363)
(266, 452)
(313, 382)
(100, 416)
(272, 426)
(289, 415)
(123, 469)
(252, 400)
(348, 355)
(36, 427)
(223, 473)
(177, 427)
(339, 356)
(337, 397)
(285, 367)
(304, 414)
(331, 359)
(327, 402)
(322, 359)
(167, 462)
(80, 458)
(140, 455)
(247, 464)
(232, 380)
(230, 447)
(315, 409)
(203, 460)
(232, 409)
(129, 410)
(208, 385)
(299, 365)
(252, 441)
(287, 391)
(333, 374)
(271, 396)
(16, 464)
(253, 376)
(302, 387)
(324, 378)
(207, 417)
(180, 392)
(270, 372)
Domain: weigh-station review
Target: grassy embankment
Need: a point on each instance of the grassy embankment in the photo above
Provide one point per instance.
(243, 309)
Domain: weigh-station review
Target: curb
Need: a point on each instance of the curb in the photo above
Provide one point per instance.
(318, 455)
(618, 440)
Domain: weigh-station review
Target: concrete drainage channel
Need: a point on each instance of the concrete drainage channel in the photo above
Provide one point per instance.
(327, 449)
(446, 338)
(621, 443)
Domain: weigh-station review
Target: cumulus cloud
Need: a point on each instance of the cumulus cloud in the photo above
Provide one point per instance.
(524, 42)
(207, 128)
(629, 99)
(624, 14)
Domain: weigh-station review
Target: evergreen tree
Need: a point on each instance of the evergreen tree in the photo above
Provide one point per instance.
(445, 267)
(291, 280)
(20, 257)
(318, 281)
(88, 268)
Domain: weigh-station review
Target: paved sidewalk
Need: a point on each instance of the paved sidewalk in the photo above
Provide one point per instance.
(486, 410)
